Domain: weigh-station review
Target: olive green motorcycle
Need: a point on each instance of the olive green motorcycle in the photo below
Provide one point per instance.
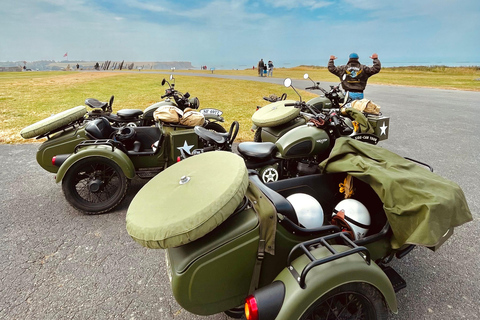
(312, 247)
(274, 120)
(95, 161)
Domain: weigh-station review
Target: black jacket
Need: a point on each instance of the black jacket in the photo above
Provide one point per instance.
(354, 75)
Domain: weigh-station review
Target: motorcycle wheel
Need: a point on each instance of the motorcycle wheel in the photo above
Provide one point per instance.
(95, 185)
(258, 135)
(349, 301)
(215, 127)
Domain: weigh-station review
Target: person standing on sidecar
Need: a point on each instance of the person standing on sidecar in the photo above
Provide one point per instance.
(354, 75)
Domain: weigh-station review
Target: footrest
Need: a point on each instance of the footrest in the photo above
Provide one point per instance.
(397, 281)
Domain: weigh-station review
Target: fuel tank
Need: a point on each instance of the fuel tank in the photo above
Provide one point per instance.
(303, 141)
(320, 102)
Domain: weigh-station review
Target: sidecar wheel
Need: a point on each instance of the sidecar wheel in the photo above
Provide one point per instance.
(349, 301)
(215, 127)
(95, 185)
(257, 137)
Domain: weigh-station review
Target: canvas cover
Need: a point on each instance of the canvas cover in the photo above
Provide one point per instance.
(366, 105)
(168, 114)
(192, 118)
(187, 200)
(275, 114)
(53, 122)
(421, 206)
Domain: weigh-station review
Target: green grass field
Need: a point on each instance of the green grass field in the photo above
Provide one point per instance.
(27, 97)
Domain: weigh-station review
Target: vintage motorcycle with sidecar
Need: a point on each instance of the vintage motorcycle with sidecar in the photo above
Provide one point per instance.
(300, 149)
(137, 117)
(95, 161)
(275, 119)
(311, 247)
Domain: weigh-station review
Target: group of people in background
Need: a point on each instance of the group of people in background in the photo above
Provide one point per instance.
(265, 69)
(353, 75)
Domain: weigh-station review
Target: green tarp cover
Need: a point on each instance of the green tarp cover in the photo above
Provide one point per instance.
(275, 114)
(187, 200)
(420, 205)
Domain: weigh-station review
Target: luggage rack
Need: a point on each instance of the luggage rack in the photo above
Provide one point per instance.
(344, 236)
(103, 142)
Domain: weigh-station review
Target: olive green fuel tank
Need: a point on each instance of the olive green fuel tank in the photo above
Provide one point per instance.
(320, 102)
(303, 141)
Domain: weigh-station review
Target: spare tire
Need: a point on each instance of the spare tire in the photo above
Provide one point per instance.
(53, 122)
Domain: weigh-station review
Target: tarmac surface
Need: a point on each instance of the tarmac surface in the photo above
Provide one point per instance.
(57, 263)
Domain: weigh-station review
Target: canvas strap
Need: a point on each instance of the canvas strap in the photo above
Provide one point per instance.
(267, 217)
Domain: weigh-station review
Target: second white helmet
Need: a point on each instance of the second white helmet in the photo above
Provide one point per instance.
(352, 216)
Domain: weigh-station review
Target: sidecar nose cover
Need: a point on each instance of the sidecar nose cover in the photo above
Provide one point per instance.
(275, 114)
(187, 200)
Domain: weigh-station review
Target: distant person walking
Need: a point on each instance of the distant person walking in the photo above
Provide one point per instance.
(354, 75)
(260, 66)
(270, 68)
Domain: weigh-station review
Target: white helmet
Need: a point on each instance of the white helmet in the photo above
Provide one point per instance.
(308, 209)
(352, 216)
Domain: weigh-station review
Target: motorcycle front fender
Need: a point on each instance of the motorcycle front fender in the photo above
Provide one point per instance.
(212, 117)
(116, 155)
(326, 277)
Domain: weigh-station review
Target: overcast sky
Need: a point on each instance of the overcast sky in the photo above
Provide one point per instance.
(237, 33)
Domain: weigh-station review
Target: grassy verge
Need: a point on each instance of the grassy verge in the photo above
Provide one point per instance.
(28, 97)
(457, 78)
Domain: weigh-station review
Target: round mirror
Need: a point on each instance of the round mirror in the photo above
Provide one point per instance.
(163, 81)
(305, 76)
(171, 77)
(287, 82)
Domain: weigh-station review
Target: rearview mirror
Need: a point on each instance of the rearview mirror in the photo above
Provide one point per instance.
(305, 76)
(287, 82)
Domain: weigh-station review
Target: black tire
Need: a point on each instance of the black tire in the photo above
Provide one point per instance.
(258, 135)
(215, 127)
(353, 301)
(95, 185)
(236, 313)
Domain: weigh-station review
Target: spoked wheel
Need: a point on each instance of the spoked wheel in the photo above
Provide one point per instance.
(95, 185)
(352, 301)
(215, 127)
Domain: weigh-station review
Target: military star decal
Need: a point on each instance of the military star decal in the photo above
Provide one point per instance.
(185, 148)
(383, 129)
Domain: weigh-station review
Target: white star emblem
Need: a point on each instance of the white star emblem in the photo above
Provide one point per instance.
(384, 129)
(185, 148)
(270, 175)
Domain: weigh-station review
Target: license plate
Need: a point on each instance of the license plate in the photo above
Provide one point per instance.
(214, 112)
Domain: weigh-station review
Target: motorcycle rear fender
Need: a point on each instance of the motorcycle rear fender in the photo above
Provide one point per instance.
(326, 277)
(116, 155)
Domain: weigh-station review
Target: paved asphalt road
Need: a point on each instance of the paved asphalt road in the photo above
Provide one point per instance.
(57, 263)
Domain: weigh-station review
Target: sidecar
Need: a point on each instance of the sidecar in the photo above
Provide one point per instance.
(236, 238)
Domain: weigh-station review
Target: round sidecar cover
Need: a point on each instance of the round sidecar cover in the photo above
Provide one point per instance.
(187, 200)
(275, 114)
(53, 122)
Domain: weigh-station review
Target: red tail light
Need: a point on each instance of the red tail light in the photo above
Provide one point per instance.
(179, 159)
(251, 308)
(53, 160)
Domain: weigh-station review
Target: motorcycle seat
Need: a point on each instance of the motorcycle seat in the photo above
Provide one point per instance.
(257, 150)
(129, 113)
(94, 103)
(99, 129)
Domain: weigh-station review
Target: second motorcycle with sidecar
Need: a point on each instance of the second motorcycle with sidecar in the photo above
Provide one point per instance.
(95, 161)
(311, 247)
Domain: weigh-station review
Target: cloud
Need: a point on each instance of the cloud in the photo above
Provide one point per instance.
(289, 4)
